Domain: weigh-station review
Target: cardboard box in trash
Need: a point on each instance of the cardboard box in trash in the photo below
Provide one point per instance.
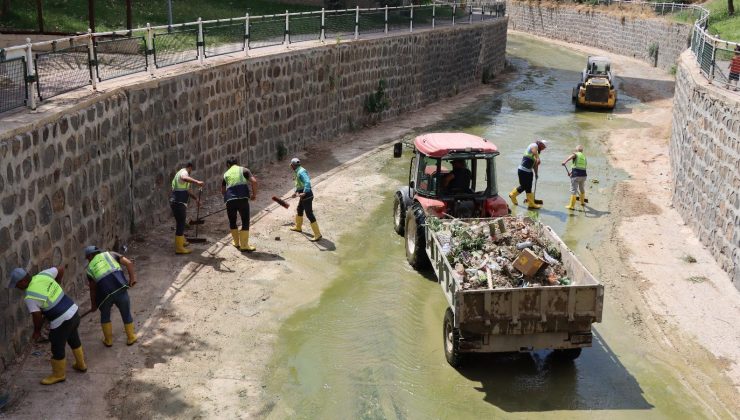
(528, 263)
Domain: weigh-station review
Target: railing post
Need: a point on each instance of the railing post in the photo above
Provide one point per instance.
(714, 56)
(286, 40)
(357, 22)
(454, 10)
(386, 18)
(246, 35)
(470, 14)
(411, 18)
(323, 25)
(91, 60)
(201, 46)
(434, 12)
(150, 49)
(32, 76)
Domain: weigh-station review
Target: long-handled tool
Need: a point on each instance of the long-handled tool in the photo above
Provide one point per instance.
(585, 200)
(280, 201)
(198, 221)
(536, 201)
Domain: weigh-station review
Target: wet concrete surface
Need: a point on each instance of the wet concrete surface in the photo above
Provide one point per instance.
(371, 347)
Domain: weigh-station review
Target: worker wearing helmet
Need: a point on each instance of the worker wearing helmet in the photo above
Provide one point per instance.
(305, 199)
(108, 286)
(527, 171)
(45, 298)
(577, 177)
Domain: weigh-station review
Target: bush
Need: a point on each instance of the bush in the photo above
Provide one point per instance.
(377, 102)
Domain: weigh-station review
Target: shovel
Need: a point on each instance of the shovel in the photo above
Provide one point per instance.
(585, 200)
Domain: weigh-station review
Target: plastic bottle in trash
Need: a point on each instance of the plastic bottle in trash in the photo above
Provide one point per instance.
(446, 249)
(526, 244)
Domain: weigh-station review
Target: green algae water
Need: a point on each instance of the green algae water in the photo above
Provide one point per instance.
(371, 347)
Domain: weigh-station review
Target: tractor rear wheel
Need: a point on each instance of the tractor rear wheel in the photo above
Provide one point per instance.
(415, 239)
(399, 214)
(451, 336)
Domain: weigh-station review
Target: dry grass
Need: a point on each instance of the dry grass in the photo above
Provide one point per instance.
(618, 10)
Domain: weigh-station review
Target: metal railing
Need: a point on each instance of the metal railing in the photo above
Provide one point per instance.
(34, 72)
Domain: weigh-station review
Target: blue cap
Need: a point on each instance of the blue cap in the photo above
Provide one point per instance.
(16, 275)
(91, 249)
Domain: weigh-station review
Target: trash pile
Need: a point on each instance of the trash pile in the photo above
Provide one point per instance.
(501, 253)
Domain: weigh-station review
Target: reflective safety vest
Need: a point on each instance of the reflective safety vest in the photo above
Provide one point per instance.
(107, 274)
(236, 184)
(50, 296)
(579, 165)
(301, 186)
(180, 188)
(528, 159)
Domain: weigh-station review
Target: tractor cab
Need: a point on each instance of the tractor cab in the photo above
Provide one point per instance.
(451, 175)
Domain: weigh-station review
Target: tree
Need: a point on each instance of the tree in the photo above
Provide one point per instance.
(730, 8)
(6, 8)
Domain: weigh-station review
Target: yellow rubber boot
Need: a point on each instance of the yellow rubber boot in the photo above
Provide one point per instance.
(316, 231)
(58, 368)
(530, 202)
(130, 334)
(298, 224)
(180, 245)
(572, 204)
(244, 241)
(513, 194)
(583, 200)
(107, 334)
(235, 237)
(79, 360)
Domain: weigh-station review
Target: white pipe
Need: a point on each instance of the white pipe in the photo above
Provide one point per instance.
(91, 59)
(30, 72)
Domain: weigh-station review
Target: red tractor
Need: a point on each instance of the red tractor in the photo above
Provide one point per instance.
(451, 175)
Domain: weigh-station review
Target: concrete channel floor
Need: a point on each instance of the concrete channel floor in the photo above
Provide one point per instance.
(208, 322)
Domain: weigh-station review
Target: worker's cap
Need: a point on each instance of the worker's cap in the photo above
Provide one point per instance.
(16, 275)
(91, 249)
(542, 143)
(295, 161)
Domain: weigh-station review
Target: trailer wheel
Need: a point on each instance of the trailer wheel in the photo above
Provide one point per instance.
(568, 355)
(415, 239)
(451, 340)
(399, 214)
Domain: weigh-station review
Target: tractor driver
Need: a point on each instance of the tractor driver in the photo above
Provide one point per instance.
(459, 178)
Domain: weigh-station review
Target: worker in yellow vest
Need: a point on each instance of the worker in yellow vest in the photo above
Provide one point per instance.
(577, 177)
(236, 191)
(108, 287)
(527, 170)
(45, 298)
(305, 199)
(179, 204)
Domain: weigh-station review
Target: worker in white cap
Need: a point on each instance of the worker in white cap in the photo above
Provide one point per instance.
(305, 199)
(108, 287)
(528, 170)
(45, 298)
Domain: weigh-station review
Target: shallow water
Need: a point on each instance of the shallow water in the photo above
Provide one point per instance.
(372, 346)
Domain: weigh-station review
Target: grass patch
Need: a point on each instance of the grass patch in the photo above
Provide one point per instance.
(689, 259)
(71, 15)
(697, 279)
(721, 24)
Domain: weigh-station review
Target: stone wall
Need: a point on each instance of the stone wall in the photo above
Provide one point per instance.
(77, 175)
(611, 29)
(705, 157)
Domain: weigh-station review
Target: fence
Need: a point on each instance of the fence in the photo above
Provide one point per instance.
(35, 72)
